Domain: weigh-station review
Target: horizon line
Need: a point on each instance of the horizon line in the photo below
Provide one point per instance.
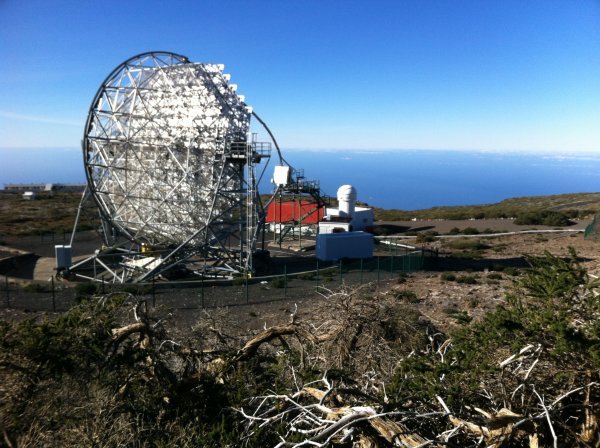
(367, 150)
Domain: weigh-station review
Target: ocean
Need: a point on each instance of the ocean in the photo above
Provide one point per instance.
(407, 180)
(411, 180)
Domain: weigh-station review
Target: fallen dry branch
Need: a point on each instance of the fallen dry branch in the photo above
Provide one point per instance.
(326, 418)
(118, 334)
(252, 346)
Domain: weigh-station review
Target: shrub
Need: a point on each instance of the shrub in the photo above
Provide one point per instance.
(551, 316)
(278, 282)
(447, 277)
(544, 218)
(512, 271)
(86, 289)
(238, 281)
(461, 317)
(402, 277)
(467, 279)
(473, 302)
(37, 287)
(406, 294)
(494, 276)
(468, 254)
(470, 231)
(426, 237)
(466, 244)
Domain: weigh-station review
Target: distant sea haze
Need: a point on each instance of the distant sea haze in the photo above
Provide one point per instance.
(407, 180)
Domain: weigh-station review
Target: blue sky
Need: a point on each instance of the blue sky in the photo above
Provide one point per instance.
(492, 75)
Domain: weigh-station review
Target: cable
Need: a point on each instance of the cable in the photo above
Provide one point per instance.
(281, 159)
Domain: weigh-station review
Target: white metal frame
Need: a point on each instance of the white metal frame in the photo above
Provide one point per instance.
(171, 166)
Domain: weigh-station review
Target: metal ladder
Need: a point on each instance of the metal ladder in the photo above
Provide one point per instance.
(250, 206)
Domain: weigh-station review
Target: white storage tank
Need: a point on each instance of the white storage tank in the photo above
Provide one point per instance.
(346, 196)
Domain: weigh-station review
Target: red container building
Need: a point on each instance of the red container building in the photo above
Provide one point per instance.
(298, 211)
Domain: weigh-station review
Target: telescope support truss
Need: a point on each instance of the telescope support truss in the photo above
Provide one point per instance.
(172, 166)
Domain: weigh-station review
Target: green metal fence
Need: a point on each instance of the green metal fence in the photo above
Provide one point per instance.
(290, 282)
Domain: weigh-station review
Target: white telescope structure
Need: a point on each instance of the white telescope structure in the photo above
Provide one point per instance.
(171, 164)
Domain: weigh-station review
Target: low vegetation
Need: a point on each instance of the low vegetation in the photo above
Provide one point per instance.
(361, 368)
(570, 206)
(56, 213)
(46, 214)
(465, 247)
(544, 218)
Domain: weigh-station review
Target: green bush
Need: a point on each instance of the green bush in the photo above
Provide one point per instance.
(467, 279)
(552, 307)
(470, 231)
(494, 276)
(461, 317)
(402, 277)
(90, 389)
(447, 277)
(278, 282)
(512, 271)
(543, 218)
(86, 289)
(37, 287)
(426, 237)
(239, 281)
(407, 295)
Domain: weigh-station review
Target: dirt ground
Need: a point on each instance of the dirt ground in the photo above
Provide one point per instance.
(444, 226)
(446, 304)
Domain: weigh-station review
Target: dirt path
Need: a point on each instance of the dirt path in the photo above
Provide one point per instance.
(444, 226)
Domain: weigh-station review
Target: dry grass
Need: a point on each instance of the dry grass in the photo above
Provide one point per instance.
(47, 213)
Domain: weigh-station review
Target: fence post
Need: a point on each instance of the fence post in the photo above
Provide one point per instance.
(378, 271)
(341, 274)
(285, 280)
(53, 295)
(317, 277)
(247, 293)
(391, 265)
